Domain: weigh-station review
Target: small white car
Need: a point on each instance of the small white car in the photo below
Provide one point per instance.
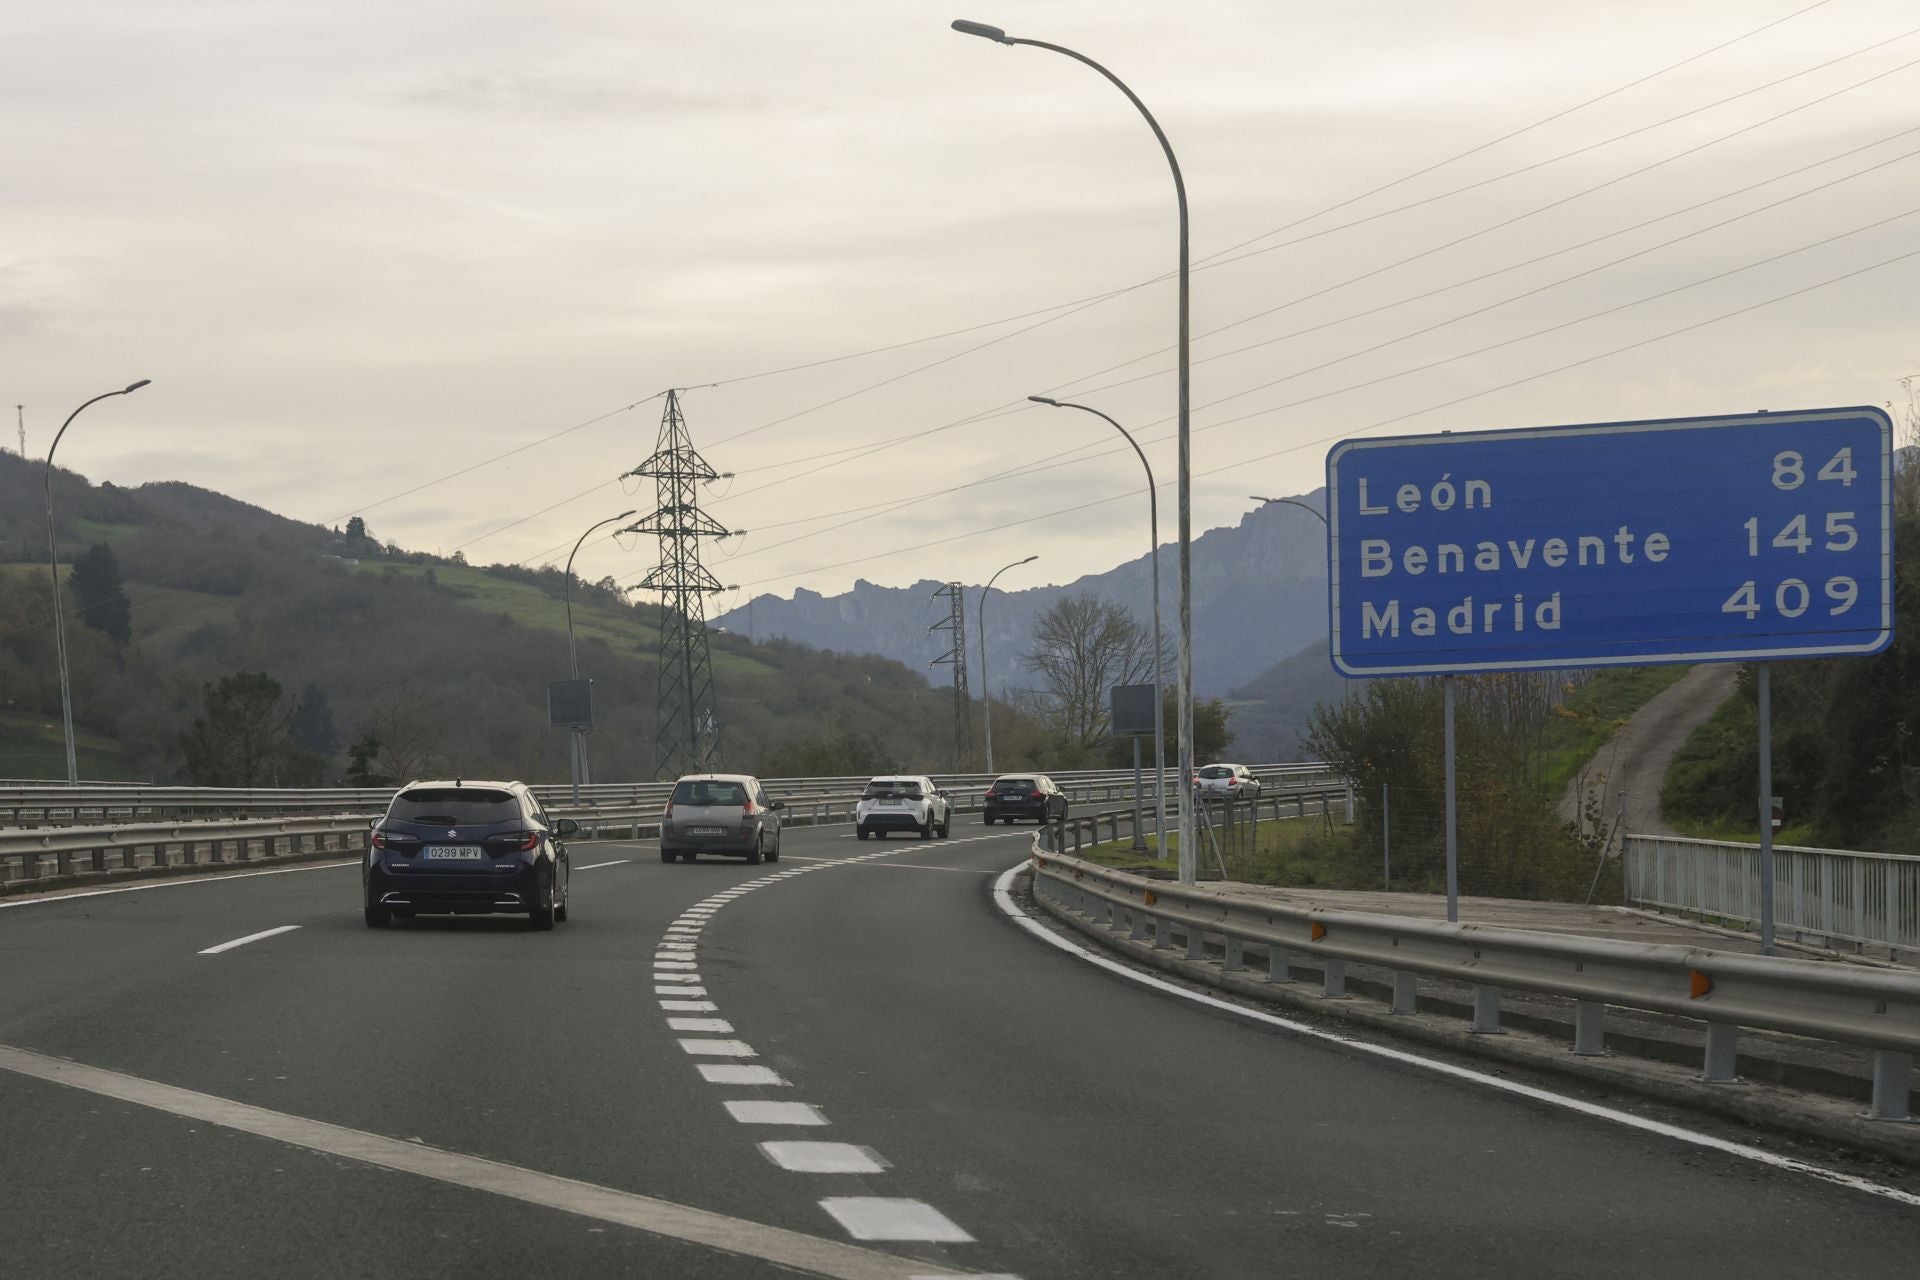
(1226, 782)
(904, 803)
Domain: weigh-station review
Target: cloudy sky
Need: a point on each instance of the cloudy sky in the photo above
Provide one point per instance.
(361, 247)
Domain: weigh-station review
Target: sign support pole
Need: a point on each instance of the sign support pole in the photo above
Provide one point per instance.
(1139, 836)
(1453, 844)
(1386, 839)
(1762, 673)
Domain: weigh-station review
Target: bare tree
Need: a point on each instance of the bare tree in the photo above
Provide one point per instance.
(411, 730)
(1082, 647)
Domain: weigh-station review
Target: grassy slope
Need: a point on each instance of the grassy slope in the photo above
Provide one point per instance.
(35, 747)
(1593, 713)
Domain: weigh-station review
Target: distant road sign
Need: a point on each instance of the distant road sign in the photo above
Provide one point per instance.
(1681, 540)
(1132, 709)
(570, 704)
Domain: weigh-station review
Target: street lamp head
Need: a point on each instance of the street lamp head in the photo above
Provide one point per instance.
(624, 514)
(136, 386)
(1030, 559)
(1257, 498)
(980, 29)
(1045, 400)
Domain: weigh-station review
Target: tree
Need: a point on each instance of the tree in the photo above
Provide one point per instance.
(245, 738)
(101, 591)
(410, 729)
(313, 727)
(1082, 647)
(362, 767)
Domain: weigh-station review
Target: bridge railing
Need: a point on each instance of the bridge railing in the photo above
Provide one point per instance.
(1820, 895)
(1877, 1009)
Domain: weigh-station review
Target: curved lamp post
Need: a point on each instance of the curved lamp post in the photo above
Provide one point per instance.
(1153, 555)
(53, 564)
(573, 653)
(986, 693)
(1184, 482)
(1315, 512)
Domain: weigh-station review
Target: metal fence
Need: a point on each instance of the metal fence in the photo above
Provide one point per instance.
(1878, 1009)
(1819, 895)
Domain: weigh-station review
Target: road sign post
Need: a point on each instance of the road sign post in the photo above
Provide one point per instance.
(1743, 538)
(1132, 708)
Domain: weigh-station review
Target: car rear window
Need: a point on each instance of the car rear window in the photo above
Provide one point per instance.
(709, 793)
(455, 806)
(882, 789)
(1015, 784)
(1216, 771)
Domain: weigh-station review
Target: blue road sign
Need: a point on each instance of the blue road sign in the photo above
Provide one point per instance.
(1721, 539)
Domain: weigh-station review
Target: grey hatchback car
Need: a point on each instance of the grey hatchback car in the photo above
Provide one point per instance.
(720, 813)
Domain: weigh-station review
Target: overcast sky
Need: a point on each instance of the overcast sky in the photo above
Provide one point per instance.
(360, 246)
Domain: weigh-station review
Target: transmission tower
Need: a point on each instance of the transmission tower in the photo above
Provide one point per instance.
(687, 736)
(956, 656)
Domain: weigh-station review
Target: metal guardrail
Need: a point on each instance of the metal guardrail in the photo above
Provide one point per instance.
(45, 804)
(1819, 894)
(69, 851)
(1873, 1008)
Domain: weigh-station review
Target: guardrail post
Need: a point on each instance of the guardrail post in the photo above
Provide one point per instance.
(1406, 992)
(1196, 944)
(1891, 1070)
(1486, 1011)
(1333, 983)
(1723, 1053)
(1278, 967)
(1162, 934)
(1589, 1028)
(1137, 924)
(1236, 956)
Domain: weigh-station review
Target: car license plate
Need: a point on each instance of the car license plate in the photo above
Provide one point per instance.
(454, 853)
(706, 831)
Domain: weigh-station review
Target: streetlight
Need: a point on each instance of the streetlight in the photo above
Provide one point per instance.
(986, 693)
(1317, 514)
(53, 563)
(1153, 554)
(573, 655)
(1184, 481)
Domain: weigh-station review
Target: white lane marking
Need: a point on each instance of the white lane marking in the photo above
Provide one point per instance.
(904, 866)
(823, 1157)
(676, 944)
(811, 1254)
(893, 1218)
(732, 1073)
(1004, 898)
(719, 1048)
(252, 937)
(676, 977)
(690, 1006)
(711, 1026)
(680, 993)
(595, 866)
(754, 1111)
(175, 882)
(675, 964)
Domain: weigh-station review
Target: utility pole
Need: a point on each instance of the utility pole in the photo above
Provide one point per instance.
(687, 736)
(956, 656)
(20, 415)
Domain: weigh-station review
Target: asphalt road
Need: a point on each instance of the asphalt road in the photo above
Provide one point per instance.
(949, 1095)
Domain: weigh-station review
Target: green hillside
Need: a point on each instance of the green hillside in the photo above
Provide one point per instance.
(458, 656)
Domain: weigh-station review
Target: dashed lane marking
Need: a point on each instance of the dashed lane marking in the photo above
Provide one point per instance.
(756, 1111)
(712, 1026)
(719, 1048)
(595, 866)
(252, 937)
(732, 1073)
(893, 1218)
(823, 1157)
(797, 1250)
(689, 1006)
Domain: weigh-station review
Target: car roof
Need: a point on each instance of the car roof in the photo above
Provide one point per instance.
(898, 777)
(464, 783)
(715, 777)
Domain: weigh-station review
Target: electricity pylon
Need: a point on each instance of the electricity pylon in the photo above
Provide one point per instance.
(956, 656)
(687, 734)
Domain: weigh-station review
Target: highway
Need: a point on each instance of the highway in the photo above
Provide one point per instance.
(851, 1062)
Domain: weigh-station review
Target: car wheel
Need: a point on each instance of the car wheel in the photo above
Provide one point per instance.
(926, 828)
(946, 826)
(560, 913)
(541, 917)
(860, 833)
(379, 917)
(753, 855)
(668, 855)
(773, 854)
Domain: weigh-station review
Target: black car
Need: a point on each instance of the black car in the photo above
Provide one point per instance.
(1024, 795)
(467, 848)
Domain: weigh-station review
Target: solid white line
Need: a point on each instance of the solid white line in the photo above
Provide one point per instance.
(711, 1026)
(689, 1006)
(595, 866)
(892, 1218)
(777, 1245)
(732, 1073)
(719, 1048)
(1004, 898)
(754, 1111)
(823, 1157)
(252, 937)
(900, 866)
(172, 883)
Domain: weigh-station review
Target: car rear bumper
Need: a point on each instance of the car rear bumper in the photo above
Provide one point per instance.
(1035, 811)
(462, 893)
(891, 820)
(683, 841)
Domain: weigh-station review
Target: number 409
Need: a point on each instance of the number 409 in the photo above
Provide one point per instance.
(1792, 598)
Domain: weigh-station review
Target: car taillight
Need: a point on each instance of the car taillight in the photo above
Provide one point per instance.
(531, 840)
(668, 811)
(747, 808)
(1034, 796)
(379, 839)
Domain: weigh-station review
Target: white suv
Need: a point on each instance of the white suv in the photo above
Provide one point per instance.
(1226, 782)
(905, 803)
